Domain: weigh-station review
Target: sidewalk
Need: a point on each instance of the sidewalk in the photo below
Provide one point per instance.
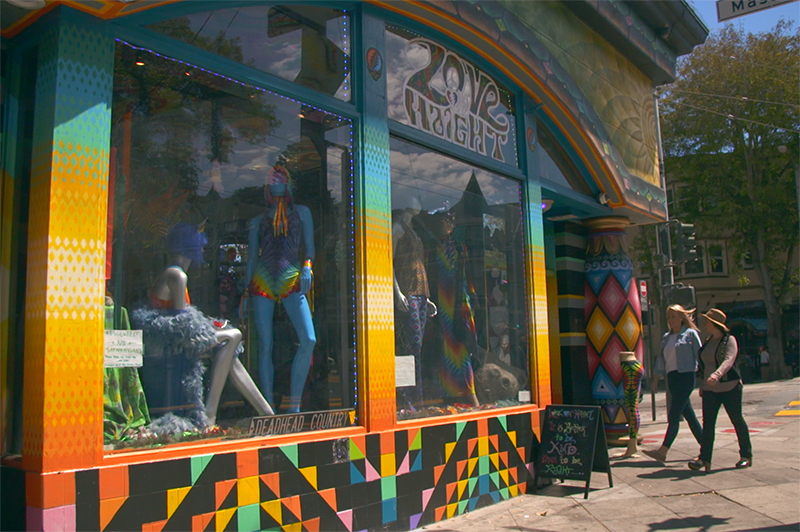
(648, 496)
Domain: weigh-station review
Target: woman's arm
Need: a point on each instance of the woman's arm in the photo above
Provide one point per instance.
(731, 351)
(696, 343)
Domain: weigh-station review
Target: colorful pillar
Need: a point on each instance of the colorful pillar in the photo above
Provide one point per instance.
(374, 233)
(613, 318)
(63, 383)
(536, 269)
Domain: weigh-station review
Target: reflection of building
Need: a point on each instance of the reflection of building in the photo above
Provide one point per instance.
(176, 111)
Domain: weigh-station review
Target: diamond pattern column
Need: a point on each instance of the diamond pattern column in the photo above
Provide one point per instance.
(613, 319)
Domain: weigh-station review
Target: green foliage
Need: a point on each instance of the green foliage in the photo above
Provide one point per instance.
(731, 135)
(730, 131)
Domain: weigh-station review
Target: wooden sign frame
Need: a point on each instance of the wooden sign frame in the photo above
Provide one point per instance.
(566, 432)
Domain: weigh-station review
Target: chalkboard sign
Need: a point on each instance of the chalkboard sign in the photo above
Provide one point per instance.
(573, 445)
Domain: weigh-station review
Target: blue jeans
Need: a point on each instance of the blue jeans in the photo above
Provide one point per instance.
(732, 401)
(680, 387)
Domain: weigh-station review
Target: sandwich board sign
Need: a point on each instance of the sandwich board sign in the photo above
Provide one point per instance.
(573, 445)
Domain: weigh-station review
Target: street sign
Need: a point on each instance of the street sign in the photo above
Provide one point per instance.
(728, 9)
(643, 296)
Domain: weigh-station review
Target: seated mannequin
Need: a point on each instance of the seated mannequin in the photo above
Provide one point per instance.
(170, 310)
(275, 275)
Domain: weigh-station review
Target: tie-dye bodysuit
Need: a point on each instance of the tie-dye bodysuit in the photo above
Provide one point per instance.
(277, 272)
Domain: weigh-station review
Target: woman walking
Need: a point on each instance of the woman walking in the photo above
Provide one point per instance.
(721, 385)
(677, 359)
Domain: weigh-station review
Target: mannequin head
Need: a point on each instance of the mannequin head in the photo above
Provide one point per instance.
(414, 207)
(444, 223)
(279, 183)
(187, 240)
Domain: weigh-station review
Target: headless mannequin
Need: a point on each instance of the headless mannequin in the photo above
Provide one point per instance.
(295, 302)
(171, 286)
(632, 383)
(414, 307)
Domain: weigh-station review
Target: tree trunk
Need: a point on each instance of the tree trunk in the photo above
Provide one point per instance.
(777, 367)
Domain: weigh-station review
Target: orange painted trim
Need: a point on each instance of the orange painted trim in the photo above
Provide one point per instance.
(466, 416)
(395, 7)
(16, 28)
(203, 447)
(108, 11)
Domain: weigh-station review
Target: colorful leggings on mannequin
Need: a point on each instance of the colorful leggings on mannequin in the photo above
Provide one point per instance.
(632, 385)
(410, 332)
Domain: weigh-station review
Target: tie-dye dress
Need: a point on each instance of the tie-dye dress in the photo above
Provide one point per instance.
(456, 320)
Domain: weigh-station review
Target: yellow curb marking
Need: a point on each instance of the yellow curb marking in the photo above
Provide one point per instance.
(788, 413)
(794, 403)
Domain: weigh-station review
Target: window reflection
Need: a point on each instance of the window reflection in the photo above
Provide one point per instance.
(193, 159)
(308, 45)
(435, 90)
(460, 315)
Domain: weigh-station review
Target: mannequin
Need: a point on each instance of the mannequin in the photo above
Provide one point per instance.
(632, 383)
(170, 313)
(454, 292)
(275, 275)
(412, 300)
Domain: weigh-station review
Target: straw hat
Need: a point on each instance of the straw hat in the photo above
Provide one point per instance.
(717, 317)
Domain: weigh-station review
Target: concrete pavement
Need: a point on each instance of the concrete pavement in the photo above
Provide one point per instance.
(648, 496)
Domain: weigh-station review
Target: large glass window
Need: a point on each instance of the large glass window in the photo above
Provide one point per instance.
(309, 45)
(435, 90)
(231, 250)
(461, 340)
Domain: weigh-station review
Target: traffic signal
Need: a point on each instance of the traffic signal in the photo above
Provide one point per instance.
(678, 294)
(686, 245)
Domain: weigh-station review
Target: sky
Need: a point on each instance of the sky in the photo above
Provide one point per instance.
(752, 23)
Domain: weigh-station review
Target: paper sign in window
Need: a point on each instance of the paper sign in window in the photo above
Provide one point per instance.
(404, 374)
(123, 349)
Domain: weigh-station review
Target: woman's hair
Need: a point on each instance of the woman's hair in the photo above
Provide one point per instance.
(686, 316)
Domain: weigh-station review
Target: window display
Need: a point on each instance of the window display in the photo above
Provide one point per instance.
(461, 340)
(308, 45)
(231, 247)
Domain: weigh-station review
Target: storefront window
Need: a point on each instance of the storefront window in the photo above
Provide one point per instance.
(309, 45)
(230, 249)
(435, 90)
(461, 340)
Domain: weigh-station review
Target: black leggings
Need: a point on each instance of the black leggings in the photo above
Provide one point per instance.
(732, 401)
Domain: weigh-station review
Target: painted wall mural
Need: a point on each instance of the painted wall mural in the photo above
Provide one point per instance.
(389, 481)
(620, 94)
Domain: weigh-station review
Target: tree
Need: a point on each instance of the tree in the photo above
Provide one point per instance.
(726, 124)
